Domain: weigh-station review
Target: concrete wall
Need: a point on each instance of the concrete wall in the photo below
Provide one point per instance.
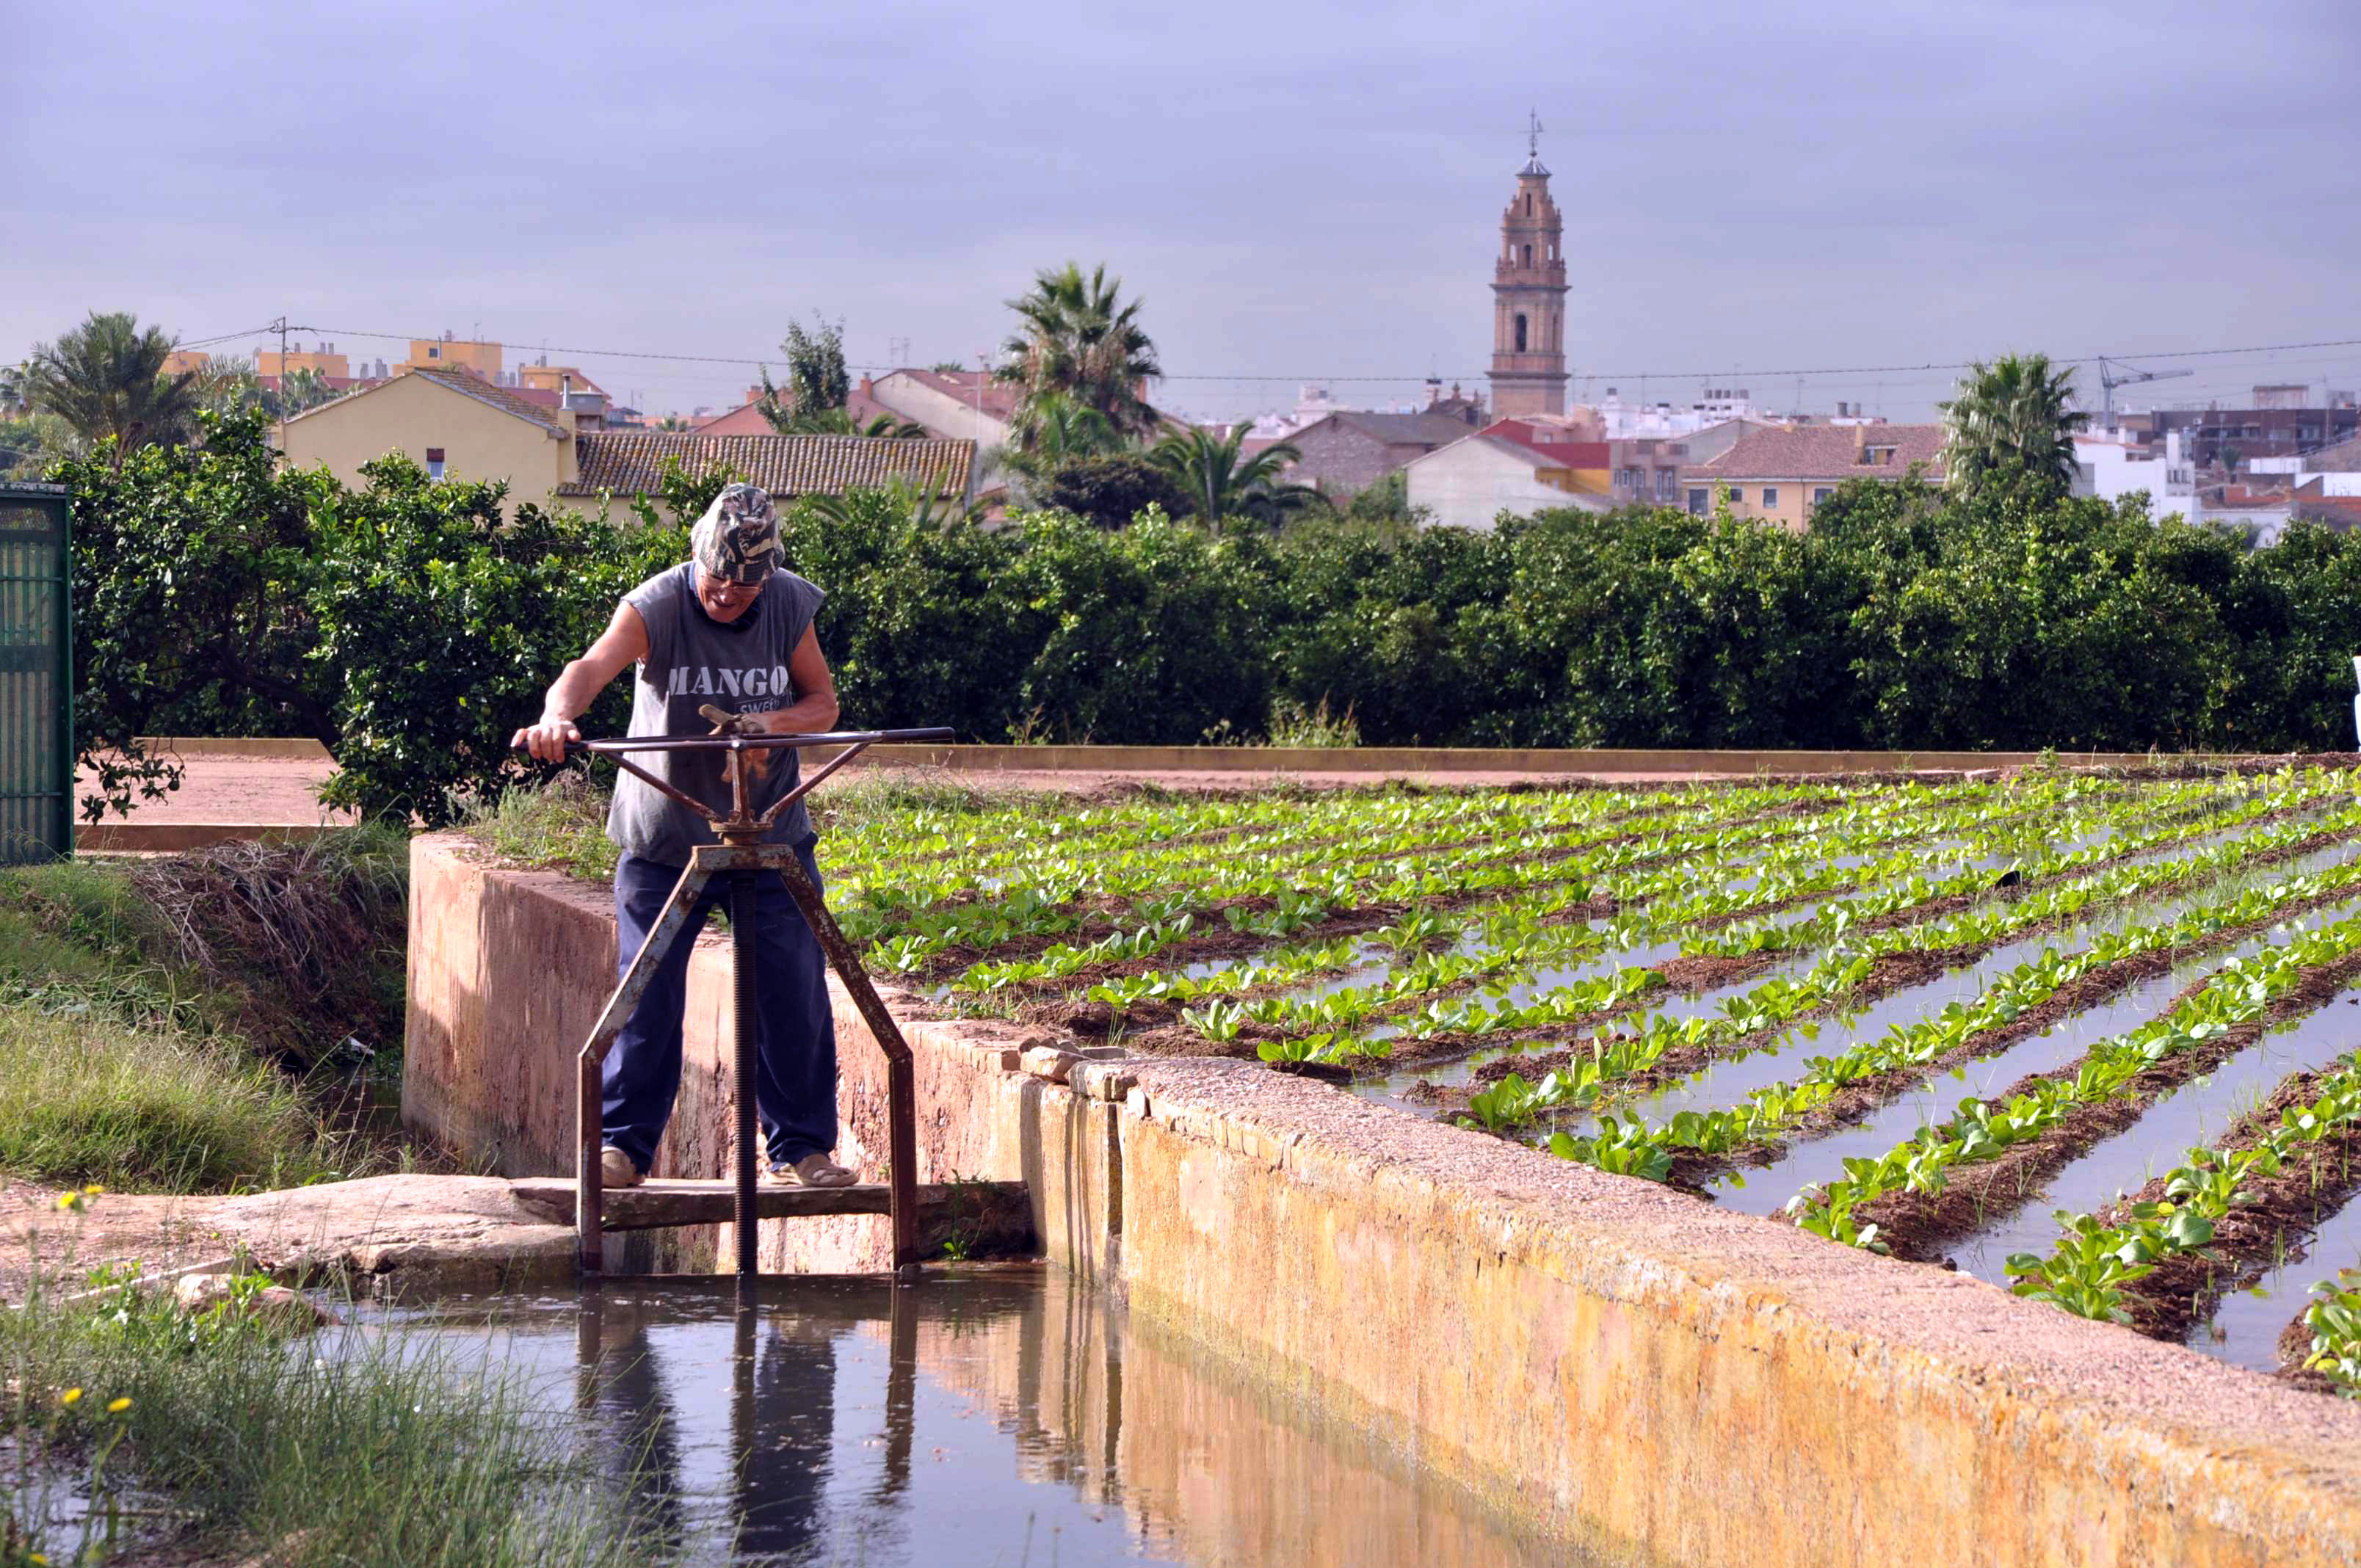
(1608, 1359)
(1469, 483)
(939, 410)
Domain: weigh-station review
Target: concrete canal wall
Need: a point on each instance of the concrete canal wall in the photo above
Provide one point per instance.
(1648, 1376)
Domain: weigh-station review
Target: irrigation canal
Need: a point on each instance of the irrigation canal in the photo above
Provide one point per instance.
(995, 1414)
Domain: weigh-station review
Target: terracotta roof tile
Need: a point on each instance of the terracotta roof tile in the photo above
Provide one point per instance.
(504, 398)
(628, 463)
(1824, 452)
(1536, 441)
(1428, 430)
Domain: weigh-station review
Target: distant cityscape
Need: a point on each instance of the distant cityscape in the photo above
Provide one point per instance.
(1463, 455)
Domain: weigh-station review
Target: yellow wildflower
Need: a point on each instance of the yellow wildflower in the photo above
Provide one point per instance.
(93, 1191)
(116, 1407)
(68, 1396)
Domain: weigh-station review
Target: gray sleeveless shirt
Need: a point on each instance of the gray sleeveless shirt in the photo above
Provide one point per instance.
(739, 666)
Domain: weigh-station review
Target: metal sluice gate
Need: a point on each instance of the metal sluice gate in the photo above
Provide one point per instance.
(744, 858)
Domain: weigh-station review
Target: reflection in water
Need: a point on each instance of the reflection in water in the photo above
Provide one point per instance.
(998, 1415)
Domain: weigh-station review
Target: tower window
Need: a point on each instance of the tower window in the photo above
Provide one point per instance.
(1528, 256)
(1520, 332)
(1528, 203)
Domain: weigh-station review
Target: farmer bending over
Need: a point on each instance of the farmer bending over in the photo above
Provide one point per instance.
(731, 631)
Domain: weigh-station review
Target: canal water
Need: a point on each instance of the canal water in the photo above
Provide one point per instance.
(993, 1415)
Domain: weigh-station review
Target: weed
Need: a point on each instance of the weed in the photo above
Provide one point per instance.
(371, 1448)
(1292, 724)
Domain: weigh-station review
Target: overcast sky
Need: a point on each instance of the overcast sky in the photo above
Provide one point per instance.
(1298, 193)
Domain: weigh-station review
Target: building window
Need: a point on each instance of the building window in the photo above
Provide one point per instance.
(1528, 203)
(1770, 496)
(1820, 493)
(434, 462)
(1528, 256)
(1698, 502)
(1663, 484)
(434, 354)
(1520, 332)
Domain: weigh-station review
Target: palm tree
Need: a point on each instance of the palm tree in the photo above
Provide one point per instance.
(2014, 417)
(301, 388)
(1220, 482)
(106, 378)
(927, 508)
(1055, 429)
(1076, 338)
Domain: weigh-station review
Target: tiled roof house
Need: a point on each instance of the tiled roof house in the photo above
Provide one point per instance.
(1515, 467)
(631, 463)
(1782, 472)
(458, 425)
(1349, 450)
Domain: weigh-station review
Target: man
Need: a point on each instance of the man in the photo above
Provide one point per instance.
(728, 630)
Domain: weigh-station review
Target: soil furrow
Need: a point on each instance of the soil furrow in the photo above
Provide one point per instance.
(1881, 980)
(2255, 1236)
(2088, 989)
(1920, 1225)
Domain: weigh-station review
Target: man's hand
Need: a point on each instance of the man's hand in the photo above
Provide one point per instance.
(546, 738)
(724, 722)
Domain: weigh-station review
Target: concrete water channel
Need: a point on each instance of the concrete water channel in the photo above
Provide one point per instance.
(1275, 1323)
(991, 1415)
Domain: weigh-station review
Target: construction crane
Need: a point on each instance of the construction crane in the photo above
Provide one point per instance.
(2114, 373)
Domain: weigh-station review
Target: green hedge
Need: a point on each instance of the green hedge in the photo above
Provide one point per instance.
(411, 625)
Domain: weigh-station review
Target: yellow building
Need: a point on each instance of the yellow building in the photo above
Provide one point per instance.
(451, 423)
(460, 426)
(446, 353)
(185, 362)
(321, 359)
(1781, 473)
(558, 379)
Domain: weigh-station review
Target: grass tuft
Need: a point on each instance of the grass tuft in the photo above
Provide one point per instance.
(351, 1446)
(87, 1096)
(147, 1007)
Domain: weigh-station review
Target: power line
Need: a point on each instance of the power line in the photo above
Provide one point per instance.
(222, 337)
(1717, 375)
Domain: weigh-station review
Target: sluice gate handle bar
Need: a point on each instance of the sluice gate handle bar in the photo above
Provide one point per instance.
(742, 854)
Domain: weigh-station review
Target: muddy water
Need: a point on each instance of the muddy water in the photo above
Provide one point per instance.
(993, 1415)
(2199, 1111)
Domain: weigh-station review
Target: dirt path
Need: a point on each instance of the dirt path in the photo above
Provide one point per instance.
(161, 1233)
(263, 792)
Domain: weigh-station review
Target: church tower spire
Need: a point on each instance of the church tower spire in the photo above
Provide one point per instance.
(1529, 296)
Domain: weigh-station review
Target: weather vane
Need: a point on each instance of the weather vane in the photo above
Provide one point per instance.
(1534, 132)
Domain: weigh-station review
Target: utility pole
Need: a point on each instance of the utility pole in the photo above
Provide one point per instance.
(282, 329)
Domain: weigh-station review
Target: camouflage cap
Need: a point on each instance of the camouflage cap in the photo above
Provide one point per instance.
(737, 540)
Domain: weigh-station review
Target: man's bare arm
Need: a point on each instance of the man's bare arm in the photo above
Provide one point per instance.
(813, 712)
(624, 642)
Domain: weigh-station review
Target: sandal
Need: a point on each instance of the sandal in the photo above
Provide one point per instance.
(812, 1171)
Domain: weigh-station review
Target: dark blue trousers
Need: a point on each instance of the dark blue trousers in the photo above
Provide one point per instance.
(794, 1094)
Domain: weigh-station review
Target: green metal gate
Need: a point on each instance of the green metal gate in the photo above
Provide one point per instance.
(36, 752)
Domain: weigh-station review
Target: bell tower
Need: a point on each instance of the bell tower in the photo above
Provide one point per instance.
(1529, 296)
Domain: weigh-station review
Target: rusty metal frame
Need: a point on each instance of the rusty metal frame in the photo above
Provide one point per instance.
(742, 855)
